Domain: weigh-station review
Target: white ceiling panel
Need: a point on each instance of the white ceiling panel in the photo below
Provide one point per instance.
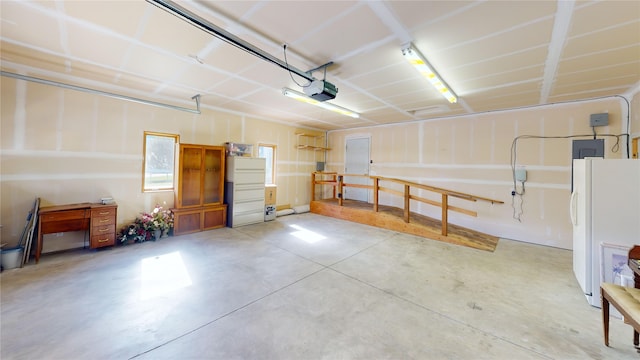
(165, 31)
(591, 16)
(100, 13)
(18, 20)
(494, 54)
(106, 50)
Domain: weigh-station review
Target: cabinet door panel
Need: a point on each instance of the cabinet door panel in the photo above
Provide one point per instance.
(185, 223)
(213, 176)
(191, 178)
(215, 218)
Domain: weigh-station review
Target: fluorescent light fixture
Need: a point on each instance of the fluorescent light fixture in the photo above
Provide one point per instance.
(304, 98)
(422, 65)
(430, 110)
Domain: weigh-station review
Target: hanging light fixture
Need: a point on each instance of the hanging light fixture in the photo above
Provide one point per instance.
(323, 104)
(422, 65)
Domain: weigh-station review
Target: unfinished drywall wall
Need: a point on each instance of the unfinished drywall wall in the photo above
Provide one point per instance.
(66, 146)
(472, 154)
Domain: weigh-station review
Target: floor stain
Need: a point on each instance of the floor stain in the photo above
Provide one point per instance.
(474, 306)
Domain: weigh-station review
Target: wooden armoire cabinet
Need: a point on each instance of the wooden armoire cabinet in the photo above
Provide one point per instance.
(199, 194)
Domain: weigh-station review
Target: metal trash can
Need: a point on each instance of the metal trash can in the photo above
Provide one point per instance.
(269, 212)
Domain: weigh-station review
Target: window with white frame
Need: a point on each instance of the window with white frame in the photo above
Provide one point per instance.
(158, 161)
(269, 153)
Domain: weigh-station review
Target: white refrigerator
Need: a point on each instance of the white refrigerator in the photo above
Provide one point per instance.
(605, 212)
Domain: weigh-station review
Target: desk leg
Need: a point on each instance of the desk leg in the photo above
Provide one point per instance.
(39, 244)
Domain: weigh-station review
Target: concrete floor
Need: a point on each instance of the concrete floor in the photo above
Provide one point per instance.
(303, 287)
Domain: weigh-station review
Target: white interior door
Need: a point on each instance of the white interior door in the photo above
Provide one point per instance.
(357, 162)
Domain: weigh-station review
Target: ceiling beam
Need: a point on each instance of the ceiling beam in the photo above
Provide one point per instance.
(561, 25)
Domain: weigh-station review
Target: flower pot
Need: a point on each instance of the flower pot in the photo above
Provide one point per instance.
(165, 233)
(157, 234)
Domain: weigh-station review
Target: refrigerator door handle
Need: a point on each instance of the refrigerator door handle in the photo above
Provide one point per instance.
(572, 208)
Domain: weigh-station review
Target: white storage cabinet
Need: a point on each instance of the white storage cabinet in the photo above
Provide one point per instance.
(244, 190)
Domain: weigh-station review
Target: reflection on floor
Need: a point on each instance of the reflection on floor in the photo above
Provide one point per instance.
(296, 288)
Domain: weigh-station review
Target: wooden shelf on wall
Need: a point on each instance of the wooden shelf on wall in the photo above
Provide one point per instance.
(307, 145)
(311, 147)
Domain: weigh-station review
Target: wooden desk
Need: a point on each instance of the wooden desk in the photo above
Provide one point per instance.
(99, 219)
(634, 264)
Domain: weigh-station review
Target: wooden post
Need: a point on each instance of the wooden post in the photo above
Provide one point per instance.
(445, 207)
(375, 194)
(334, 178)
(407, 211)
(313, 186)
(340, 193)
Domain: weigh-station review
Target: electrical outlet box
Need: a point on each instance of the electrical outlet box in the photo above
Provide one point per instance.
(599, 119)
(521, 175)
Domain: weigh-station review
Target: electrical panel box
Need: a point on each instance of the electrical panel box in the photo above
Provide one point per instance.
(588, 148)
(599, 119)
(521, 175)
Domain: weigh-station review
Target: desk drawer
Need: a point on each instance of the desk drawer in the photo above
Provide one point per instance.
(102, 221)
(64, 215)
(103, 240)
(103, 229)
(106, 211)
(64, 225)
